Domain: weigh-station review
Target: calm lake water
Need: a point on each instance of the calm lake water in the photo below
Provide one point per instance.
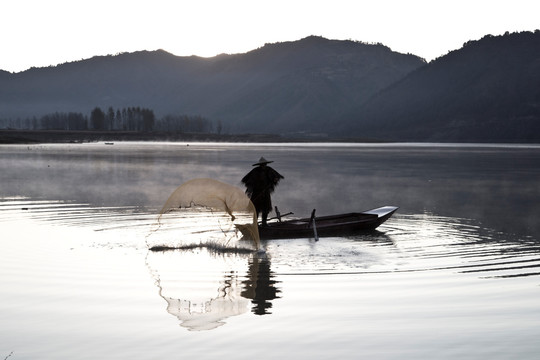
(455, 273)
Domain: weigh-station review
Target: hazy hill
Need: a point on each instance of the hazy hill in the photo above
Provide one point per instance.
(284, 87)
(489, 90)
(305, 85)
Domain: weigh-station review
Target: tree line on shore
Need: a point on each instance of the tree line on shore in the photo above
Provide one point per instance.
(124, 119)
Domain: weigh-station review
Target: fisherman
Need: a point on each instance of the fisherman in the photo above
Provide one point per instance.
(260, 183)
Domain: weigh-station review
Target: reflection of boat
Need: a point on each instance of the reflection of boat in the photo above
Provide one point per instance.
(333, 225)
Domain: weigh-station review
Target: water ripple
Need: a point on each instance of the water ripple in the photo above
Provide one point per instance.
(417, 243)
(406, 243)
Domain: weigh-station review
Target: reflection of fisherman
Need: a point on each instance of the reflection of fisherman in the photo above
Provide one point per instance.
(260, 286)
(260, 183)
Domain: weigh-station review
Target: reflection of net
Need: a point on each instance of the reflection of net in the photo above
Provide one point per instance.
(207, 316)
(206, 211)
(201, 289)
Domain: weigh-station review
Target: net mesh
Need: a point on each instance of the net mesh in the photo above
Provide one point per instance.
(206, 212)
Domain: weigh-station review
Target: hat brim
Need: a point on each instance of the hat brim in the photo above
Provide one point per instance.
(262, 163)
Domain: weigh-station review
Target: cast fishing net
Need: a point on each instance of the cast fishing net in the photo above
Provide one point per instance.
(206, 212)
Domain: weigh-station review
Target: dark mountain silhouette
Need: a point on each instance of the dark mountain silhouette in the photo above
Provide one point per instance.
(489, 90)
(284, 87)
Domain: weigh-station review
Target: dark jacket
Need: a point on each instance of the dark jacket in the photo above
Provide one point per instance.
(260, 183)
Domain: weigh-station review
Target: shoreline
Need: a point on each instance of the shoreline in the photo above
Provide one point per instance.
(67, 136)
(28, 137)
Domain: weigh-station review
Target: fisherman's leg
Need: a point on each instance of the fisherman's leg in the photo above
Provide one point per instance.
(264, 217)
(257, 206)
(258, 211)
(266, 207)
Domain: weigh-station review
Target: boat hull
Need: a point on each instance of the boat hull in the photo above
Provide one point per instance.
(333, 225)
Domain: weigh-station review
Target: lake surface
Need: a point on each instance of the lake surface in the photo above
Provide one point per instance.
(455, 273)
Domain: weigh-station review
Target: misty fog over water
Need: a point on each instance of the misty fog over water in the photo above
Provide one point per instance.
(454, 273)
(485, 183)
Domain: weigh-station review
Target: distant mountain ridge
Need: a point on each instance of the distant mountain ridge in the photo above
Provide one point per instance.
(489, 90)
(284, 87)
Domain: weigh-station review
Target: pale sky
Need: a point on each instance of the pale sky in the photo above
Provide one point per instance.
(37, 33)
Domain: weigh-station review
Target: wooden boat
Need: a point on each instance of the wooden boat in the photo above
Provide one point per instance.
(333, 225)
